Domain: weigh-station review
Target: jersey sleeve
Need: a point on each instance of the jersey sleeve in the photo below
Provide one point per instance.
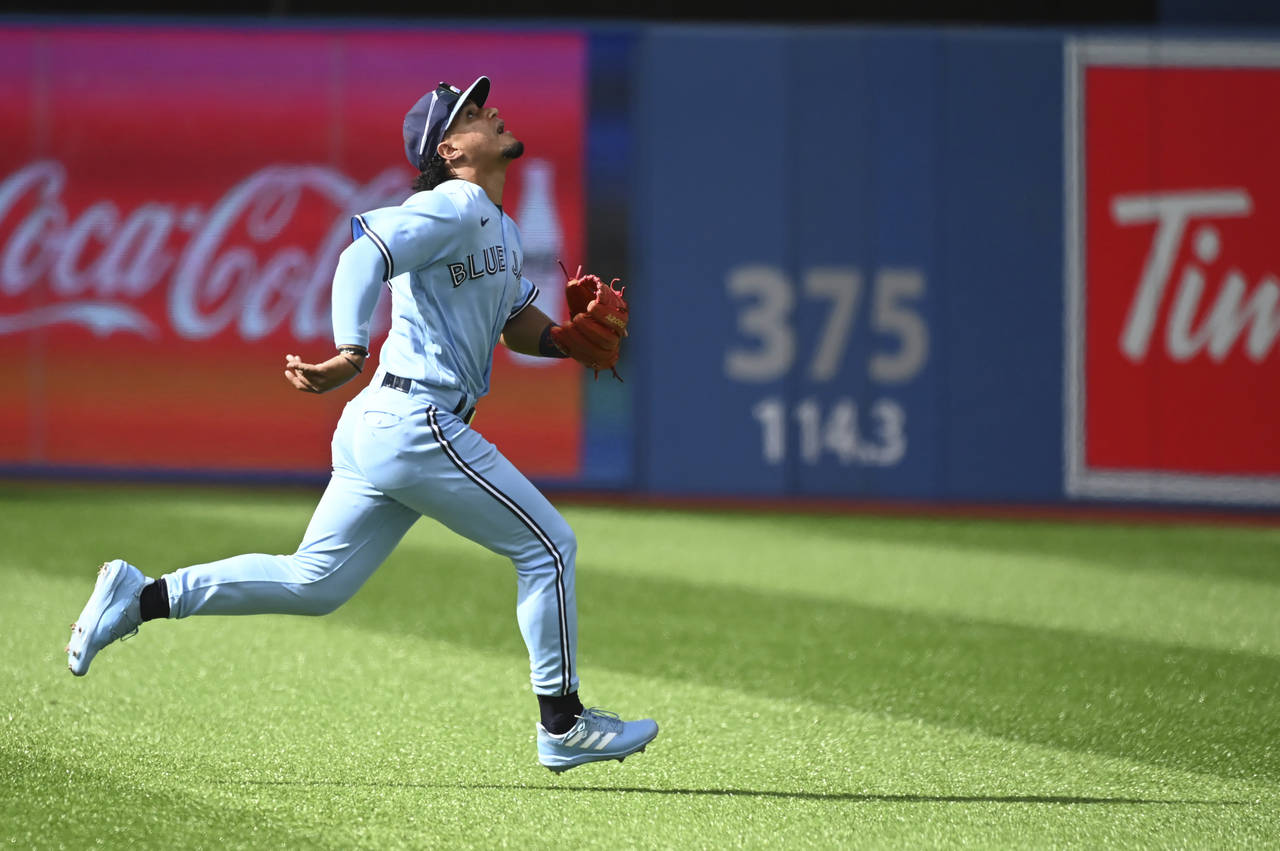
(356, 284)
(528, 289)
(528, 293)
(410, 236)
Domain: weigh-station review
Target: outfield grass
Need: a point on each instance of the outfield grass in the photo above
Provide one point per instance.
(820, 681)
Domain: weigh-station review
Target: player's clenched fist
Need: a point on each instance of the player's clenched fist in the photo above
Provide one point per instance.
(598, 322)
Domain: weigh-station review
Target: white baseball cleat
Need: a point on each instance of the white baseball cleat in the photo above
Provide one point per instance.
(113, 611)
(598, 735)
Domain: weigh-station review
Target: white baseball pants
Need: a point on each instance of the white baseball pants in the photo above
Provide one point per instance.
(396, 457)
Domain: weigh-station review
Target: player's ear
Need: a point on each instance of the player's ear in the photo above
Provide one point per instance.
(448, 151)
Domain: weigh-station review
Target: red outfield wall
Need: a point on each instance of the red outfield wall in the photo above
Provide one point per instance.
(172, 204)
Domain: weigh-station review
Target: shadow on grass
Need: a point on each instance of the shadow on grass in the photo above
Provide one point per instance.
(1190, 709)
(85, 797)
(852, 797)
(869, 796)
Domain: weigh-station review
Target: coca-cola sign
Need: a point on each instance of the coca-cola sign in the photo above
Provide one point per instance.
(172, 205)
(1173, 271)
(225, 269)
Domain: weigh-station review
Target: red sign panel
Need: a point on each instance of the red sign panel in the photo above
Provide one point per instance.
(1176, 330)
(172, 204)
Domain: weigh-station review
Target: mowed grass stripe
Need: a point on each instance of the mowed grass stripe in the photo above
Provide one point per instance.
(1191, 709)
(1198, 587)
(1183, 586)
(1049, 686)
(113, 801)
(385, 783)
(381, 756)
(288, 656)
(813, 710)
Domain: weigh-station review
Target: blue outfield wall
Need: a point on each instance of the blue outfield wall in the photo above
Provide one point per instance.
(848, 255)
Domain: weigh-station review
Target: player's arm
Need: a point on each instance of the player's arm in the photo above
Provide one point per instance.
(356, 284)
(529, 333)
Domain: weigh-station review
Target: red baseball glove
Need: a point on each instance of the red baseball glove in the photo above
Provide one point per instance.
(597, 322)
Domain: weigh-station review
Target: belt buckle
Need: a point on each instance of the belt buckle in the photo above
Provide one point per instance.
(395, 382)
(405, 385)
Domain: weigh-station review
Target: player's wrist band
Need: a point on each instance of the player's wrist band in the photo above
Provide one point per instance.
(547, 347)
(348, 351)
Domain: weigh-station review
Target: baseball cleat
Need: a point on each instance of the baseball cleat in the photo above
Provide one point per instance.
(598, 735)
(112, 612)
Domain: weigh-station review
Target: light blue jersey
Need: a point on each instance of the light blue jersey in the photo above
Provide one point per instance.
(402, 450)
(453, 262)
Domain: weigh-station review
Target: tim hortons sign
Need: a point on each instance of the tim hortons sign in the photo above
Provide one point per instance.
(1173, 271)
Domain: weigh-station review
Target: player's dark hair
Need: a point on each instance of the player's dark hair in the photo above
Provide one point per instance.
(436, 172)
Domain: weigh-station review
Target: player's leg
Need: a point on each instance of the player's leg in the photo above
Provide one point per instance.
(465, 483)
(470, 487)
(353, 529)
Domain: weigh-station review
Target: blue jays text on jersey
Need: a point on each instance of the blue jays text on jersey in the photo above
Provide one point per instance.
(454, 284)
(495, 261)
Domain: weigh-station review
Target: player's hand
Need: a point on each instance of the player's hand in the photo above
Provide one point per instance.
(321, 377)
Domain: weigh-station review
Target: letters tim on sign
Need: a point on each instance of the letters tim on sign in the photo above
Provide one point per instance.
(172, 205)
(1173, 282)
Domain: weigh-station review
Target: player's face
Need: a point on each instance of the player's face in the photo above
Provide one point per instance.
(482, 135)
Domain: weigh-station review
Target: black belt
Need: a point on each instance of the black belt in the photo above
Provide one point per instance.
(404, 385)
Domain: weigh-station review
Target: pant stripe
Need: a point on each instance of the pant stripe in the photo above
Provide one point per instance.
(520, 514)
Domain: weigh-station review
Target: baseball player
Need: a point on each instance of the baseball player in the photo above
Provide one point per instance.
(403, 447)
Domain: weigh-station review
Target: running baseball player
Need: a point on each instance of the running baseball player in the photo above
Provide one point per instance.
(403, 447)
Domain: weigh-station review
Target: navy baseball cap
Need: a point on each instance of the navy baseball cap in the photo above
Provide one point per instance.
(431, 116)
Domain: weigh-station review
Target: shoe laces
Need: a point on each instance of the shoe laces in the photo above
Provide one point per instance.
(610, 722)
(125, 636)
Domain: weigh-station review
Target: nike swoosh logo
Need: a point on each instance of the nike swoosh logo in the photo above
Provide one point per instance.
(483, 221)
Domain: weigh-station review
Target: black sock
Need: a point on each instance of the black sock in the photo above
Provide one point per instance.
(559, 712)
(154, 601)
